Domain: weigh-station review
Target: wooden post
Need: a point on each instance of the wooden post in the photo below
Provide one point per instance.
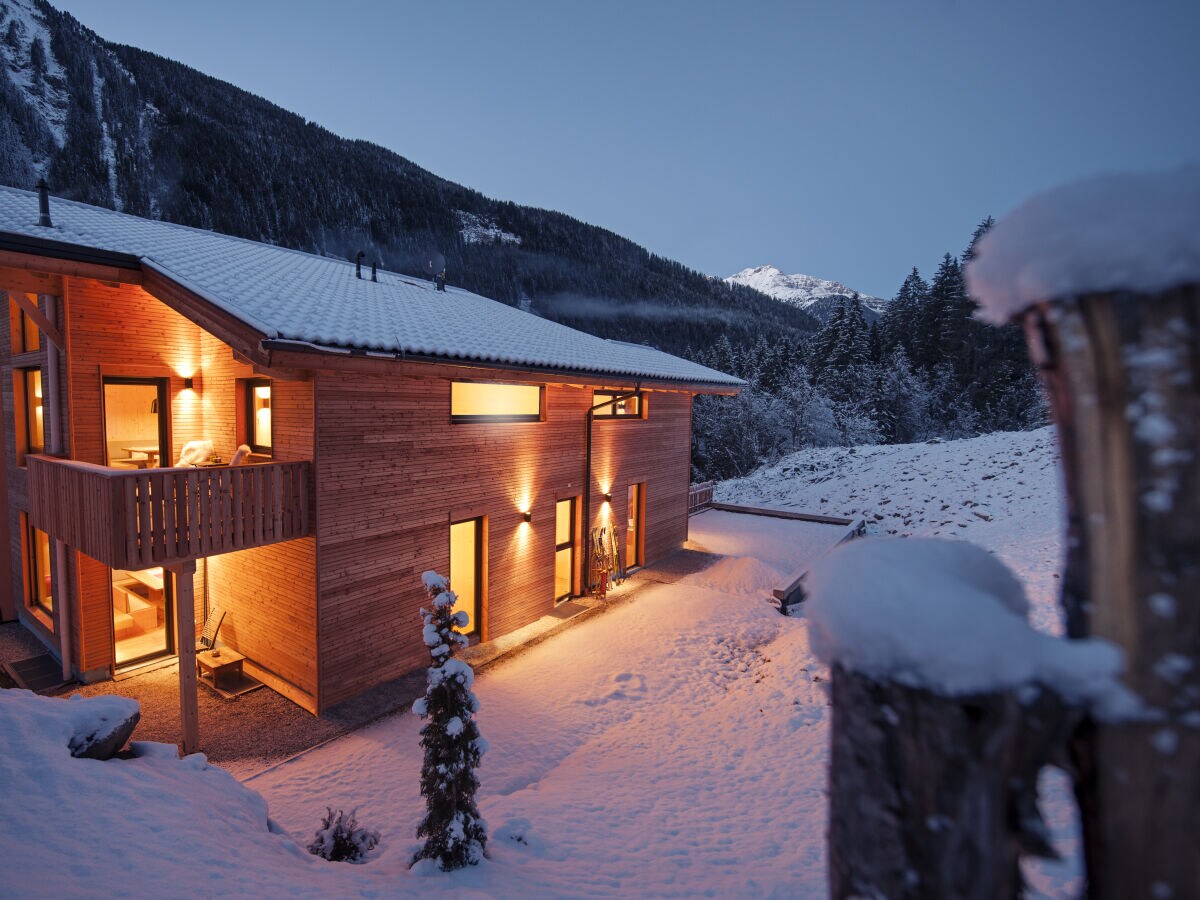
(1123, 374)
(185, 629)
(936, 796)
(56, 446)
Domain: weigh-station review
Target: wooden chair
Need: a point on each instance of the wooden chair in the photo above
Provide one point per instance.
(212, 624)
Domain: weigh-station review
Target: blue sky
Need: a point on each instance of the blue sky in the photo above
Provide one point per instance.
(850, 139)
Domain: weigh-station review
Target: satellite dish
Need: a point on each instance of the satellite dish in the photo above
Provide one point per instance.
(434, 263)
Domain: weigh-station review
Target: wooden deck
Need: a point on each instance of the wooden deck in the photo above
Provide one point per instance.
(135, 519)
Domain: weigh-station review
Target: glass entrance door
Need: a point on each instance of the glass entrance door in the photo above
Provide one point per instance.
(633, 526)
(466, 570)
(135, 437)
(135, 423)
(564, 548)
(142, 615)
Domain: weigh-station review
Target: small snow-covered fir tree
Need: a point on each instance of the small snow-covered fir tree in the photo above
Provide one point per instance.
(454, 833)
(340, 839)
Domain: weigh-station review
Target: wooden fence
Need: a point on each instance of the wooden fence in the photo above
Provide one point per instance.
(135, 519)
(700, 496)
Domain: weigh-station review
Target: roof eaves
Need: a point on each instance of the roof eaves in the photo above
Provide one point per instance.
(479, 362)
(266, 330)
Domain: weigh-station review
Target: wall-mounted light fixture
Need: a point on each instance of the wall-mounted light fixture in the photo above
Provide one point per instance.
(528, 517)
(608, 498)
(189, 383)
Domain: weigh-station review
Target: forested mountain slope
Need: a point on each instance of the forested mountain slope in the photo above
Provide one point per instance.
(123, 128)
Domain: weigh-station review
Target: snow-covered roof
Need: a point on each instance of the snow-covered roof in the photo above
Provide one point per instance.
(291, 295)
(1133, 232)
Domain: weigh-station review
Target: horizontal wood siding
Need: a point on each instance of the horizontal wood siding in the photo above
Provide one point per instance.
(270, 598)
(392, 472)
(120, 329)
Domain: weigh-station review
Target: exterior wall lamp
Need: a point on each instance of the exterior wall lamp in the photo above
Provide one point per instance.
(189, 383)
(528, 517)
(608, 498)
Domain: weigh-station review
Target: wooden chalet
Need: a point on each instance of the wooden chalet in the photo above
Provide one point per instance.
(392, 428)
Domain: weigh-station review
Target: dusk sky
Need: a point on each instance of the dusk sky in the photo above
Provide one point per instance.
(849, 139)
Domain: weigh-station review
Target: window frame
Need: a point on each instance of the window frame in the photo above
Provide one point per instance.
(249, 385)
(609, 413)
(571, 543)
(540, 416)
(31, 576)
(24, 412)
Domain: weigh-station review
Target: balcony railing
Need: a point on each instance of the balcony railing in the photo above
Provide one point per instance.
(135, 519)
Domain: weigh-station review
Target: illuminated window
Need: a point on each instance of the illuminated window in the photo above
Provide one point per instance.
(629, 408)
(36, 550)
(27, 391)
(472, 401)
(258, 415)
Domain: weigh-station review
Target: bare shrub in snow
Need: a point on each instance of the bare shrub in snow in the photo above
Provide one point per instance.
(340, 839)
(455, 834)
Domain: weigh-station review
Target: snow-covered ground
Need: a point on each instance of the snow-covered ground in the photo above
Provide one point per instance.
(1001, 491)
(675, 746)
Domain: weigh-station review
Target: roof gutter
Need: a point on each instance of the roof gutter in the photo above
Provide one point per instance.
(36, 246)
(286, 344)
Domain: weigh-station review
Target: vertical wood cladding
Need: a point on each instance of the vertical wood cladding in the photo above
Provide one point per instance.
(392, 472)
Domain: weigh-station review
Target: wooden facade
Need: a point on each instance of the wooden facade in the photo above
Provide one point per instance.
(316, 553)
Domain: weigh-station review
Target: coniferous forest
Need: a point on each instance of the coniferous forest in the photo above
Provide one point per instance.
(927, 369)
(122, 128)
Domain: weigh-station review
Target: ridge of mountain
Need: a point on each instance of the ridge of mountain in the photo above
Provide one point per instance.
(124, 128)
(818, 297)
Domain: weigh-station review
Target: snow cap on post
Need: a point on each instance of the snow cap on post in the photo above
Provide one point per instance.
(948, 617)
(1122, 232)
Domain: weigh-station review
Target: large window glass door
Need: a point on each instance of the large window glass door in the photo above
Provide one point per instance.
(633, 525)
(564, 548)
(466, 570)
(142, 614)
(135, 423)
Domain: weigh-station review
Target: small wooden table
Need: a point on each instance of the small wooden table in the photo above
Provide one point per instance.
(219, 664)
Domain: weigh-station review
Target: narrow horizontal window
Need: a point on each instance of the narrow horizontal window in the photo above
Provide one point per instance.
(631, 407)
(473, 401)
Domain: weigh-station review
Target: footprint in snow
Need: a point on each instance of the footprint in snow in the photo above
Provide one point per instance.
(628, 687)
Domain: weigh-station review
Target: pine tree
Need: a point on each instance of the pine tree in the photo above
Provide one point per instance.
(454, 833)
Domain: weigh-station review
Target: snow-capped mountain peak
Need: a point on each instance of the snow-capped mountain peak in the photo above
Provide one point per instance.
(815, 295)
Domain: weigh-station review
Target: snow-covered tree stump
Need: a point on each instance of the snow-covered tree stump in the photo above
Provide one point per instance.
(946, 706)
(1104, 277)
(936, 796)
(1123, 374)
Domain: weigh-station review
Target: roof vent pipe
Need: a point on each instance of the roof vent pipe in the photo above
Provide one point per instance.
(43, 203)
(358, 264)
(375, 270)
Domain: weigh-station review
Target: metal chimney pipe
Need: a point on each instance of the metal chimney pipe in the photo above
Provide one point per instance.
(43, 191)
(375, 270)
(358, 264)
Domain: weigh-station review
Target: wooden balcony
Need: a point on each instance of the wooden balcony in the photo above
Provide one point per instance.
(135, 519)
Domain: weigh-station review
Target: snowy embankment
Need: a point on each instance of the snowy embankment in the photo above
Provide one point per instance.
(675, 746)
(1001, 491)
